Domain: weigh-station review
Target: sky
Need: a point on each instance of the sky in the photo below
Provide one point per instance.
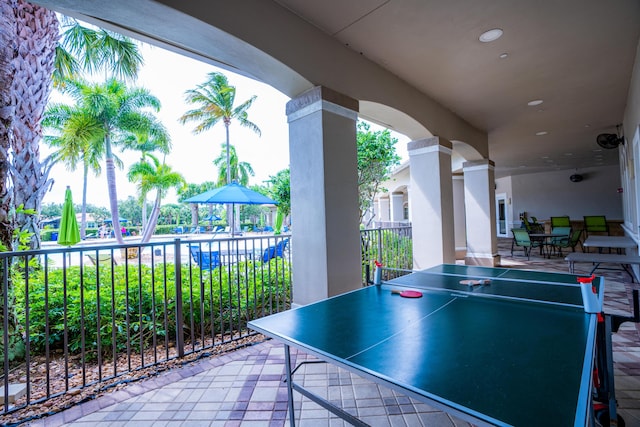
(167, 76)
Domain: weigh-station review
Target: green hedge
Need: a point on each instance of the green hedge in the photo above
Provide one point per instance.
(223, 300)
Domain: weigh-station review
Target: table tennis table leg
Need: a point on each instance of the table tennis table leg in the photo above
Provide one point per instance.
(291, 386)
(605, 392)
(287, 363)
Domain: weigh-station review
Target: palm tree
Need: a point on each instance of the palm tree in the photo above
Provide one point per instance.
(215, 100)
(191, 190)
(233, 168)
(152, 176)
(120, 113)
(94, 50)
(77, 138)
(31, 58)
(29, 52)
(148, 141)
(7, 73)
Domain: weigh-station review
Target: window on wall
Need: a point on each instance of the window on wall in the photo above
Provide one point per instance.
(405, 211)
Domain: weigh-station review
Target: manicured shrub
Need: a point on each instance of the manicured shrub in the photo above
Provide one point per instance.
(103, 309)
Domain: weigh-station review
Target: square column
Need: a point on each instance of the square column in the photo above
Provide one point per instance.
(459, 219)
(397, 207)
(383, 209)
(431, 202)
(324, 195)
(479, 191)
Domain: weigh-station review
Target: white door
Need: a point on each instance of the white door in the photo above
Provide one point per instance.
(501, 215)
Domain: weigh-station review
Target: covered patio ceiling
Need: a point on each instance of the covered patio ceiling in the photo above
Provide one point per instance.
(576, 56)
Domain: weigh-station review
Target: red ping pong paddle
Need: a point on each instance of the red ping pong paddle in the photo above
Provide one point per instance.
(407, 294)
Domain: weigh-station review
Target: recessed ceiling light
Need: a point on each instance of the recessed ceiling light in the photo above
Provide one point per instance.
(491, 35)
(535, 102)
(503, 55)
(544, 132)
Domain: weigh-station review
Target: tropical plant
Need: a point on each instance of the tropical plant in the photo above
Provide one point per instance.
(281, 193)
(232, 167)
(147, 141)
(215, 101)
(32, 56)
(76, 138)
(120, 113)
(191, 190)
(88, 49)
(32, 38)
(376, 158)
(280, 190)
(154, 176)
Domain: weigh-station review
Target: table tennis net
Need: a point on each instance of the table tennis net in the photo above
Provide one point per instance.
(560, 293)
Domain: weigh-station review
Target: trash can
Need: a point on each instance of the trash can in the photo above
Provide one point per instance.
(54, 236)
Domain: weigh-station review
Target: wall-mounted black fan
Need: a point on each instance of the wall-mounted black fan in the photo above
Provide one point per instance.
(610, 140)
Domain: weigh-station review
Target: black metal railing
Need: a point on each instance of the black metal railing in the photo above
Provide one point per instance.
(392, 247)
(88, 315)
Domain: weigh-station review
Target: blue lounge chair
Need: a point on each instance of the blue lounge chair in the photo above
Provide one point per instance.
(275, 250)
(205, 259)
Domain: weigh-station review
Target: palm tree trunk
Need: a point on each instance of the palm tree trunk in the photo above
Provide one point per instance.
(145, 220)
(8, 52)
(37, 39)
(230, 210)
(153, 219)
(83, 217)
(113, 193)
(194, 214)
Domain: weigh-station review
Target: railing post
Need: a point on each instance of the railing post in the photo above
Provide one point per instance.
(177, 262)
(379, 257)
(5, 330)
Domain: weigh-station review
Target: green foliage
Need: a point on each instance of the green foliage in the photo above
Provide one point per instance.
(174, 214)
(217, 301)
(393, 247)
(376, 158)
(280, 190)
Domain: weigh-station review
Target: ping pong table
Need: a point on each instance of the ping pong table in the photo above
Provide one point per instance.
(518, 349)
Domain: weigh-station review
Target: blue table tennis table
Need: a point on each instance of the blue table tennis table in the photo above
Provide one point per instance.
(517, 350)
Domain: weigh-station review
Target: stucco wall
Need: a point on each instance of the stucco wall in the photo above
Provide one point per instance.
(552, 194)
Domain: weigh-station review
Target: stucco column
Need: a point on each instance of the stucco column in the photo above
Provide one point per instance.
(459, 217)
(431, 202)
(397, 211)
(383, 209)
(325, 250)
(479, 191)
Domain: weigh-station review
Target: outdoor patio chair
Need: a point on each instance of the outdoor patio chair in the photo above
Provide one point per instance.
(576, 239)
(521, 238)
(205, 259)
(275, 250)
(596, 224)
(557, 243)
(103, 259)
(533, 226)
(560, 221)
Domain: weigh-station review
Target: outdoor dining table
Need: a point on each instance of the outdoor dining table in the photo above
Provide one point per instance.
(545, 238)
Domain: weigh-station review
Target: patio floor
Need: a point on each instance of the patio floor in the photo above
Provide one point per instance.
(245, 388)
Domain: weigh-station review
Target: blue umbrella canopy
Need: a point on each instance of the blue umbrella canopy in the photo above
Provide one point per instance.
(69, 234)
(233, 193)
(109, 220)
